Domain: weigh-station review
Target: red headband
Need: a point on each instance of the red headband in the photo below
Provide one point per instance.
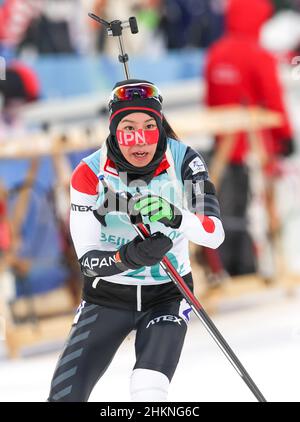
(135, 108)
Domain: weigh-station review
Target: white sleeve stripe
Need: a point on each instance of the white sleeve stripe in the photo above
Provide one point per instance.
(84, 227)
(82, 198)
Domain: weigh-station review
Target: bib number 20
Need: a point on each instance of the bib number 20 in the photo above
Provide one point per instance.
(155, 270)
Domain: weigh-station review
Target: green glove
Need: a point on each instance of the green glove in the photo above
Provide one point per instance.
(159, 209)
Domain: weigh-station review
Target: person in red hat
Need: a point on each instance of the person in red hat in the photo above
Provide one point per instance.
(21, 83)
(20, 86)
(239, 71)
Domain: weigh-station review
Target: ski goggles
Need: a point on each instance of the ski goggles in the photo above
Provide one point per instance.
(129, 92)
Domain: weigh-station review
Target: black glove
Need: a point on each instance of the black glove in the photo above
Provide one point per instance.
(144, 253)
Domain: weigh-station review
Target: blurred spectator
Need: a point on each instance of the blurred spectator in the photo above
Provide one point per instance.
(5, 235)
(21, 86)
(7, 290)
(36, 255)
(175, 21)
(191, 23)
(15, 18)
(62, 26)
(240, 72)
(21, 83)
(99, 8)
(60, 201)
(31, 244)
(109, 10)
(31, 239)
(147, 13)
(55, 31)
(286, 4)
(207, 24)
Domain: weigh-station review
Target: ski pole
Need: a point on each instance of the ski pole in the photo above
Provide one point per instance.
(169, 269)
(174, 276)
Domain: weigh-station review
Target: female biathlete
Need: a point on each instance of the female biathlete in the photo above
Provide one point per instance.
(124, 287)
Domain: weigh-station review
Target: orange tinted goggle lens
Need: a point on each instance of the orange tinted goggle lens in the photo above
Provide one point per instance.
(127, 93)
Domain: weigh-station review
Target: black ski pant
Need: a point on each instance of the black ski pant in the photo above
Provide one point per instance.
(96, 336)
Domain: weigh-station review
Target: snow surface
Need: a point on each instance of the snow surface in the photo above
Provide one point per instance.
(264, 332)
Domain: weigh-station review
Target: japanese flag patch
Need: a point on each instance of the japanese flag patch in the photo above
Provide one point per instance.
(197, 165)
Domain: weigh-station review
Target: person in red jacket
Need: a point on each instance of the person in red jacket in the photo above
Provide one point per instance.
(240, 72)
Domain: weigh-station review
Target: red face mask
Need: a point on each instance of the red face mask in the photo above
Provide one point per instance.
(137, 137)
